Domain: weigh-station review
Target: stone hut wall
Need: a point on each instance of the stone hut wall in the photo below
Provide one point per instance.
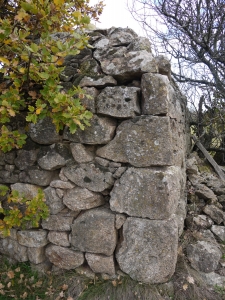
(115, 190)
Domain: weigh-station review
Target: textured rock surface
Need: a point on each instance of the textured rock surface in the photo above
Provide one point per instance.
(142, 142)
(148, 250)
(36, 175)
(119, 102)
(25, 158)
(59, 238)
(29, 191)
(131, 65)
(147, 193)
(94, 231)
(58, 222)
(219, 231)
(81, 199)
(92, 176)
(54, 157)
(13, 249)
(32, 238)
(100, 82)
(44, 132)
(100, 263)
(215, 213)
(36, 255)
(53, 201)
(101, 131)
(64, 258)
(157, 95)
(204, 256)
(80, 153)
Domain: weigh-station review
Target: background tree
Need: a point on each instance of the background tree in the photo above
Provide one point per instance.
(192, 33)
(31, 60)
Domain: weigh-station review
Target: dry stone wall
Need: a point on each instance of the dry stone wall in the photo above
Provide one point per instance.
(115, 191)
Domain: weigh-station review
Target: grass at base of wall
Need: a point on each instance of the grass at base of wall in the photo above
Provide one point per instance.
(20, 281)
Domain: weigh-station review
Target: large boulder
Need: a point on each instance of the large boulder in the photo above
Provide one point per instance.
(148, 252)
(144, 141)
(204, 256)
(119, 102)
(81, 199)
(64, 258)
(147, 193)
(91, 176)
(101, 131)
(94, 231)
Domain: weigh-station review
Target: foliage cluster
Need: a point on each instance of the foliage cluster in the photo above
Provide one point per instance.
(21, 211)
(31, 60)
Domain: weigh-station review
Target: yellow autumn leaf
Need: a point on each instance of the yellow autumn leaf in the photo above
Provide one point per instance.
(11, 112)
(11, 274)
(38, 110)
(185, 287)
(4, 61)
(22, 70)
(60, 61)
(22, 15)
(59, 2)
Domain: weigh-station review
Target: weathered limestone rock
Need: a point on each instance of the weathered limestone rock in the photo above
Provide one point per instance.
(147, 193)
(215, 213)
(36, 255)
(100, 82)
(104, 52)
(119, 102)
(8, 177)
(44, 132)
(81, 199)
(142, 142)
(139, 44)
(54, 157)
(203, 221)
(59, 238)
(29, 191)
(88, 102)
(148, 251)
(94, 232)
(219, 231)
(36, 175)
(119, 172)
(202, 191)
(91, 176)
(25, 158)
(213, 279)
(120, 220)
(101, 131)
(101, 263)
(13, 249)
(57, 223)
(131, 66)
(157, 95)
(164, 65)
(101, 161)
(32, 238)
(121, 36)
(64, 258)
(80, 153)
(53, 201)
(62, 184)
(204, 256)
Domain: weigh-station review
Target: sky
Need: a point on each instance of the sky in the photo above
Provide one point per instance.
(115, 13)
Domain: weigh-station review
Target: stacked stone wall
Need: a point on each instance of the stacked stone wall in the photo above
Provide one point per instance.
(115, 190)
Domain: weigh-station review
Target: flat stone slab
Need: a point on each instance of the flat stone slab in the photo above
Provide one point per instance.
(101, 131)
(100, 82)
(94, 177)
(64, 258)
(132, 65)
(32, 238)
(94, 231)
(148, 252)
(119, 102)
(100, 263)
(143, 141)
(147, 193)
(81, 199)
